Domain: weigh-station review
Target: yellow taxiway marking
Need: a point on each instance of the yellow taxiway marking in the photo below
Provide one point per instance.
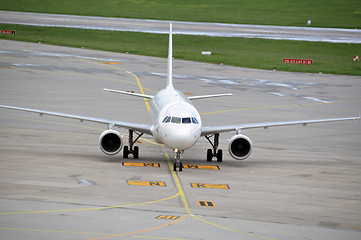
(106, 235)
(278, 106)
(54, 231)
(168, 217)
(110, 63)
(206, 204)
(138, 81)
(93, 208)
(258, 108)
(71, 125)
(147, 183)
(204, 185)
(186, 205)
(138, 164)
(192, 166)
(64, 124)
(145, 230)
(159, 238)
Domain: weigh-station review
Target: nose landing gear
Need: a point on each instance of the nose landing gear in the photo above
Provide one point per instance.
(178, 164)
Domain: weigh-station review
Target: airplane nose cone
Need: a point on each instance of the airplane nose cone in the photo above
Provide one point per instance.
(182, 138)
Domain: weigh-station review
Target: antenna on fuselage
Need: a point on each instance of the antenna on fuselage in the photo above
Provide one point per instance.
(170, 59)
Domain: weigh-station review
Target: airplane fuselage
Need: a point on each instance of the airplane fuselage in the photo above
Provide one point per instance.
(176, 122)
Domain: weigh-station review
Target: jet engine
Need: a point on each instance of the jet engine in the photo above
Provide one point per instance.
(111, 142)
(240, 147)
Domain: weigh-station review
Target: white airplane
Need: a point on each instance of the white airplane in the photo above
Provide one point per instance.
(175, 123)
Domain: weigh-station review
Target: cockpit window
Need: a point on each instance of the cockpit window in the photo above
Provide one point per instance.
(166, 119)
(176, 120)
(194, 120)
(186, 120)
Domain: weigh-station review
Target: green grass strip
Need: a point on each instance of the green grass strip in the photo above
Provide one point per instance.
(323, 13)
(330, 58)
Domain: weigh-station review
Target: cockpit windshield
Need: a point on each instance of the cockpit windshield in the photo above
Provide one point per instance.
(176, 120)
(166, 119)
(186, 120)
(194, 120)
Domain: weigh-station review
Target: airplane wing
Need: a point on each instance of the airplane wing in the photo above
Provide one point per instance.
(210, 96)
(129, 93)
(144, 128)
(239, 127)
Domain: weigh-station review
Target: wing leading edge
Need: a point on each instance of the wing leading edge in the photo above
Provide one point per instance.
(129, 93)
(240, 127)
(210, 96)
(144, 128)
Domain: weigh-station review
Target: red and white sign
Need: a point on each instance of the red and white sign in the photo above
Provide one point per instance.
(7, 32)
(297, 61)
(355, 58)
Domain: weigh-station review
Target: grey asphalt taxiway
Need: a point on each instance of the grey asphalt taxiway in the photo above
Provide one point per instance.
(55, 183)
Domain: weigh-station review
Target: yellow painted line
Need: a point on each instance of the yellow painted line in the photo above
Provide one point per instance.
(136, 164)
(150, 90)
(141, 89)
(110, 63)
(146, 230)
(186, 205)
(160, 238)
(140, 142)
(168, 217)
(192, 166)
(255, 108)
(71, 125)
(51, 122)
(148, 108)
(94, 208)
(177, 182)
(206, 204)
(54, 231)
(233, 230)
(138, 81)
(89, 233)
(204, 185)
(276, 106)
(147, 183)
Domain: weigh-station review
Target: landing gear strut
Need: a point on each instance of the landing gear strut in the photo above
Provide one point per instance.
(178, 163)
(132, 149)
(215, 152)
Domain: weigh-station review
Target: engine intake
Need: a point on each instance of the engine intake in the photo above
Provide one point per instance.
(240, 147)
(111, 142)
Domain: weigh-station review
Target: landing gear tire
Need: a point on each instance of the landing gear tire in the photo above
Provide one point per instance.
(178, 165)
(136, 152)
(131, 149)
(125, 152)
(209, 155)
(215, 152)
(219, 155)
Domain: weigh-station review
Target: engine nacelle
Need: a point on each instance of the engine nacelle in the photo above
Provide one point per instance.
(111, 142)
(240, 147)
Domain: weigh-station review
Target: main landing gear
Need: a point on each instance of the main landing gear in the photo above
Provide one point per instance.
(132, 149)
(215, 152)
(178, 164)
